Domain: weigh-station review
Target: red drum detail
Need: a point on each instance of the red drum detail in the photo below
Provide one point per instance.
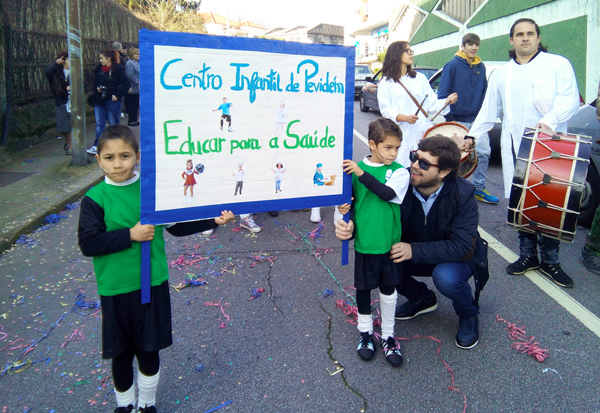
(548, 182)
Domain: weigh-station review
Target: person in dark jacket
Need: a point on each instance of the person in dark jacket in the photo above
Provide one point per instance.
(110, 85)
(58, 78)
(465, 74)
(439, 218)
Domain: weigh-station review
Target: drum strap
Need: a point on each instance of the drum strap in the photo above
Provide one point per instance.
(414, 100)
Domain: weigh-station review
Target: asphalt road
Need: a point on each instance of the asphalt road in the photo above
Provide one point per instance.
(275, 353)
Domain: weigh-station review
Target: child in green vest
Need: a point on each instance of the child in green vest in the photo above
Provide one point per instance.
(379, 184)
(111, 232)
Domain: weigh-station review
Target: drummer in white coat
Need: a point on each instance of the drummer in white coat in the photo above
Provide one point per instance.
(534, 89)
(399, 82)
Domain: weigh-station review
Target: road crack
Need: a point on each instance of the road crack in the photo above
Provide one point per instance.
(337, 363)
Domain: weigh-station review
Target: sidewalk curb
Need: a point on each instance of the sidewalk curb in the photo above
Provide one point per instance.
(85, 184)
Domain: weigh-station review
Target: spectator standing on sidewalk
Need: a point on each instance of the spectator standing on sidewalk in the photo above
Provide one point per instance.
(122, 52)
(132, 98)
(465, 74)
(58, 77)
(534, 89)
(591, 249)
(110, 85)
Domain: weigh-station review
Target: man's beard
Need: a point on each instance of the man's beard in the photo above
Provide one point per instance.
(426, 183)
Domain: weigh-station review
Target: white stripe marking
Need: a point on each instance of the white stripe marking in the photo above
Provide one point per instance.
(585, 316)
(362, 138)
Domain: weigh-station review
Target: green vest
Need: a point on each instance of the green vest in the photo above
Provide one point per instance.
(119, 272)
(377, 222)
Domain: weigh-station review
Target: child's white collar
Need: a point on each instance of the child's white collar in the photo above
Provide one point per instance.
(136, 176)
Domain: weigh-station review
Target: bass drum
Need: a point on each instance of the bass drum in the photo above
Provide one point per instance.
(456, 132)
(548, 182)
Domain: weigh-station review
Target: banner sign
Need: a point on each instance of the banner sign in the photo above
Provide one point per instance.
(242, 124)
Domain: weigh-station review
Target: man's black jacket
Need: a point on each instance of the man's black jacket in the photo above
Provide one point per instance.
(449, 232)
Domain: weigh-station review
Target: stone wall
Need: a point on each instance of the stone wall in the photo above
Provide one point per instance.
(34, 31)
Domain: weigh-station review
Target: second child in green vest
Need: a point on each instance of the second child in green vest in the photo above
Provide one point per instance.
(379, 184)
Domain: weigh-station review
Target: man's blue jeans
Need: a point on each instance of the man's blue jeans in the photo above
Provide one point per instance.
(528, 243)
(484, 150)
(451, 279)
(110, 110)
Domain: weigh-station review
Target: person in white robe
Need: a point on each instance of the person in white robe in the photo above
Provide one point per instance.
(534, 89)
(395, 103)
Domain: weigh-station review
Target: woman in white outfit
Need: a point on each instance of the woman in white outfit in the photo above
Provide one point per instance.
(395, 102)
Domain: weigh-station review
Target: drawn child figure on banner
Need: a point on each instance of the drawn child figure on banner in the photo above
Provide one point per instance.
(239, 178)
(225, 114)
(281, 116)
(190, 181)
(279, 171)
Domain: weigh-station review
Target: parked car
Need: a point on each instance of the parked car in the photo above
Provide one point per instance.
(361, 72)
(585, 122)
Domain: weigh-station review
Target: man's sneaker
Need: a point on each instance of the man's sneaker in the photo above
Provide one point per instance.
(147, 409)
(485, 196)
(315, 215)
(556, 274)
(208, 232)
(591, 260)
(127, 409)
(468, 332)
(250, 225)
(366, 346)
(273, 213)
(522, 265)
(93, 150)
(411, 309)
(391, 349)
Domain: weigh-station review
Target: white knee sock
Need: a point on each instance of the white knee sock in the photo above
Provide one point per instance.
(387, 307)
(147, 389)
(126, 398)
(365, 323)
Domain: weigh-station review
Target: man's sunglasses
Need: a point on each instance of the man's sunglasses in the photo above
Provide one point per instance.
(423, 164)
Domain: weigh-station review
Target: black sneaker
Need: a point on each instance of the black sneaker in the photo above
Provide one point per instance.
(127, 409)
(411, 309)
(468, 332)
(366, 346)
(591, 260)
(147, 409)
(522, 265)
(556, 274)
(391, 349)
(273, 213)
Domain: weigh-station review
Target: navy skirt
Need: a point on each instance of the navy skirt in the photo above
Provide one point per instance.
(372, 270)
(127, 324)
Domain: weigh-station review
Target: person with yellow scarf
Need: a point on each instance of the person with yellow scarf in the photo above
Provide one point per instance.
(465, 75)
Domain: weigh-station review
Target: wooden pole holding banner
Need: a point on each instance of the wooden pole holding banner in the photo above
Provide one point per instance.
(80, 157)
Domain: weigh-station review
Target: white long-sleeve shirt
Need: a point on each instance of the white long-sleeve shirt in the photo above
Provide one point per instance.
(542, 91)
(393, 100)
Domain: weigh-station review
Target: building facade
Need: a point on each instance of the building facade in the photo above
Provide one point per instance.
(435, 29)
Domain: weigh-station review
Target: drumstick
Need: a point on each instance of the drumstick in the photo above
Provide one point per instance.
(421, 105)
(445, 105)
